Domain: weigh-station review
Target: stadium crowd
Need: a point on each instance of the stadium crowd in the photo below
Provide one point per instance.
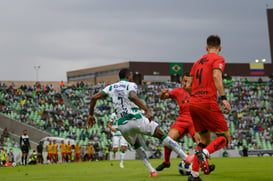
(64, 113)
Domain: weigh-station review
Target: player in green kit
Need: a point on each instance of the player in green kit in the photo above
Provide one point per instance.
(118, 139)
(131, 122)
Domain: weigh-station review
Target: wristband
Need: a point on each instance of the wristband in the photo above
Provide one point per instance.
(223, 97)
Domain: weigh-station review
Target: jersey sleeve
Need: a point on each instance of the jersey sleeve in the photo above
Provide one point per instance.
(173, 93)
(107, 90)
(219, 63)
(132, 87)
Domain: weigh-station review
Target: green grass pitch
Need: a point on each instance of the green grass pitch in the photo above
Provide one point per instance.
(227, 169)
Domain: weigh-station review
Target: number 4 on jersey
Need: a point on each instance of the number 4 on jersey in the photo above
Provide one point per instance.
(199, 75)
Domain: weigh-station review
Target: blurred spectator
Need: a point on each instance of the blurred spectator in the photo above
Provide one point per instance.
(4, 157)
(39, 149)
(33, 158)
(10, 156)
(90, 152)
(6, 133)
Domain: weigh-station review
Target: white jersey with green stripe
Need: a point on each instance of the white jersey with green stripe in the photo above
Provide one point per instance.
(114, 121)
(125, 109)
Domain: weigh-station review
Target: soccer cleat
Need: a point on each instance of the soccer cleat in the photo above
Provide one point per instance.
(211, 168)
(121, 165)
(162, 166)
(191, 178)
(153, 174)
(202, 160)
(189, 159)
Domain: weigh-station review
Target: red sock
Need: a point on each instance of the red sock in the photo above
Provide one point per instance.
(217, 144)
(167, 154)
(195, 164)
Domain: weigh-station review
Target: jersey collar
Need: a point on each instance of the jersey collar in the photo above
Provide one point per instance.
(124, 80)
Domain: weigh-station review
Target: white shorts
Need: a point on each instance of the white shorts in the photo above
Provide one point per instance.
(119, 140)
(133, 127)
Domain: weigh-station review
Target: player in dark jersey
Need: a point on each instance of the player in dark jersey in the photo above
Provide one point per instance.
(183, 123)
(25, 146)
(40, 153)
(205, 81)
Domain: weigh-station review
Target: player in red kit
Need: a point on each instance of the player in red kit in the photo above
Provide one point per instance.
(183, 123)
(205, 81)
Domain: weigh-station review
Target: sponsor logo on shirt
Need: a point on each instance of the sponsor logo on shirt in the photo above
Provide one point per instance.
(201, 92)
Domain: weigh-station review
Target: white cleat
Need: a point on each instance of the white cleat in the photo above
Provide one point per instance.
(121, 165)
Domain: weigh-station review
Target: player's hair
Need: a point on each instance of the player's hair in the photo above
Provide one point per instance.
(124, 72)
(213, 41)
(186, 74)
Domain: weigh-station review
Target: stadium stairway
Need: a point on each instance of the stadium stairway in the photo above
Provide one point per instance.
(68, 103)
(16, 128)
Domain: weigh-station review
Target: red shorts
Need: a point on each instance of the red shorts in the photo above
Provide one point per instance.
(78, 154)
(208, 117)
(63, 153)
(50, 155)
(69, 154)
(183, 127)
(55, 155)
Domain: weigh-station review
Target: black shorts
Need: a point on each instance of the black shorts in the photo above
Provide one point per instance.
(24, 149)
(40, 155)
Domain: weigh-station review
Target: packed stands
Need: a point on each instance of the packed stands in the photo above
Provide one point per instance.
(250, 123)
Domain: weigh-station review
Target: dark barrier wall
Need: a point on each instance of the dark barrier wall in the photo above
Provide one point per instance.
(17, 127)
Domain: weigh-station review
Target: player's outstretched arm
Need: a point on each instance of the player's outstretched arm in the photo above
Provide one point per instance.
(91, 119)
(218, 81)
(109, 125)
(137, 101)
(164, 94)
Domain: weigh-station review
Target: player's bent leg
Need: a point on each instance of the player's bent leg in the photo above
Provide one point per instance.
(166, 140)
(144, 158)
(201, 154)
(218, 143)
(204, 153)
(205, 138)
(174, 134)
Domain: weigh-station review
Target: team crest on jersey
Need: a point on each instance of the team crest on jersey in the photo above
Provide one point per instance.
(221, 66)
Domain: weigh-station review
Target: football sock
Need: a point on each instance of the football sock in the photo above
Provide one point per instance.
(22, 160)
(122, 153)
(217, 144)
(143, 156)
(25, 160)
(169, 142)
(195, 165)
(167, 154)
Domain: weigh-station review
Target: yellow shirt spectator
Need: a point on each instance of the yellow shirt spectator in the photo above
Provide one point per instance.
(78, 149)
(49, 148)
(55, 148)
(90, 149)
(63, 148)
(69, 149)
